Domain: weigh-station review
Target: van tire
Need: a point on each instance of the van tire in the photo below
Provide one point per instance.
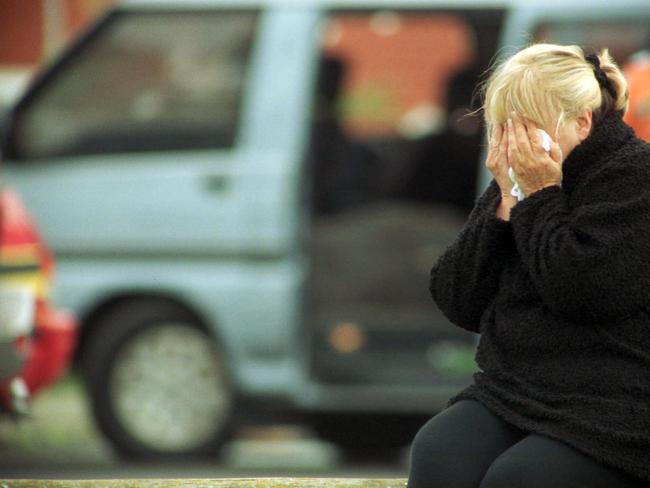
(179, 371)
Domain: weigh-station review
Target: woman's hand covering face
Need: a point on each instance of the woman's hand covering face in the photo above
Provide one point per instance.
(535, 168)
(497, 159)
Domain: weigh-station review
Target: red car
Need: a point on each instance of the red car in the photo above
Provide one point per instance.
(36, 340)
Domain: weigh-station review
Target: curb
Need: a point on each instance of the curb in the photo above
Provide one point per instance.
(208, 483)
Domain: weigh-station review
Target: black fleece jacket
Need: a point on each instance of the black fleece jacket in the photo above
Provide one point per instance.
(561, 297)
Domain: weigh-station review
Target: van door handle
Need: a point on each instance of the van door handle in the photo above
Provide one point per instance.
(216, 183)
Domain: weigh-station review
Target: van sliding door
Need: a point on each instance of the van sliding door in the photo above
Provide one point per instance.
(395, 159)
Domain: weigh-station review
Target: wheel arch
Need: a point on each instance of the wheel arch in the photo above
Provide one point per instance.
(92, 318)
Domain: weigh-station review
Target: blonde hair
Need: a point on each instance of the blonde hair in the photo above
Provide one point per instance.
(552, 84)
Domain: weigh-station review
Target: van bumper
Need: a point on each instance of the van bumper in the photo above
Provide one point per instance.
(377, 399)
(283, 387)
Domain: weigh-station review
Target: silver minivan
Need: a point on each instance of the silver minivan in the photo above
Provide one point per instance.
(246, 198)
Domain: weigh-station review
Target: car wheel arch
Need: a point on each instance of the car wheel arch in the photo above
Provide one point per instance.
(93, 317)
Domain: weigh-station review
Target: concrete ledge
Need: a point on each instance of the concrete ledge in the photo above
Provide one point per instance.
(207, 483)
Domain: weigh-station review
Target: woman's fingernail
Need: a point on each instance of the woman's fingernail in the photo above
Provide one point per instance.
(509, 122)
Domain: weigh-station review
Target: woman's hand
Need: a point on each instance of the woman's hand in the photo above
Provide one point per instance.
(535, 168)
(497, 159)
(497, 163)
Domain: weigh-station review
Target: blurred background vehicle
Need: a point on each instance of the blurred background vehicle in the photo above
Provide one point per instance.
(36, 340)
(637, 72)
(245, 202)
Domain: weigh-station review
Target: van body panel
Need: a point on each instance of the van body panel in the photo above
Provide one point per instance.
(227, 296)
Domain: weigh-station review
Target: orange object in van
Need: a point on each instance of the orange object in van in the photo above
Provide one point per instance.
(637, 73)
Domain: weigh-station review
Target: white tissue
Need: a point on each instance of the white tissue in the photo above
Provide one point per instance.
(546, 140)
(516, 190)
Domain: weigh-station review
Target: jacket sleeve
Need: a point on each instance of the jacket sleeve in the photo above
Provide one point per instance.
(465, 277)
(590, 263)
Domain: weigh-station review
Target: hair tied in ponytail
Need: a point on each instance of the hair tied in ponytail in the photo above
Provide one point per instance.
(600, 75)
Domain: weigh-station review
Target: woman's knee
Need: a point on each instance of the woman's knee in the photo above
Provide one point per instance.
(456, 446)
(436, 459)
(513, 472)
(539, 462)
(446, 434)
(432, 451)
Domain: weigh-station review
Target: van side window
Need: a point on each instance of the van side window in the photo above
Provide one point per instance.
(142, 81)
(394, 107)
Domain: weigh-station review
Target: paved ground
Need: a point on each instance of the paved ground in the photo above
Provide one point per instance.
(61, 442)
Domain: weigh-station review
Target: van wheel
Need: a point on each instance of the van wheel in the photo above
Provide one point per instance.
(158, 383)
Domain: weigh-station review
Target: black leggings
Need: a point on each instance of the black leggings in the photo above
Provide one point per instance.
(467, 446)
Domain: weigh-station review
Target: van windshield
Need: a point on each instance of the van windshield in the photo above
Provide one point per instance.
(186, 73)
